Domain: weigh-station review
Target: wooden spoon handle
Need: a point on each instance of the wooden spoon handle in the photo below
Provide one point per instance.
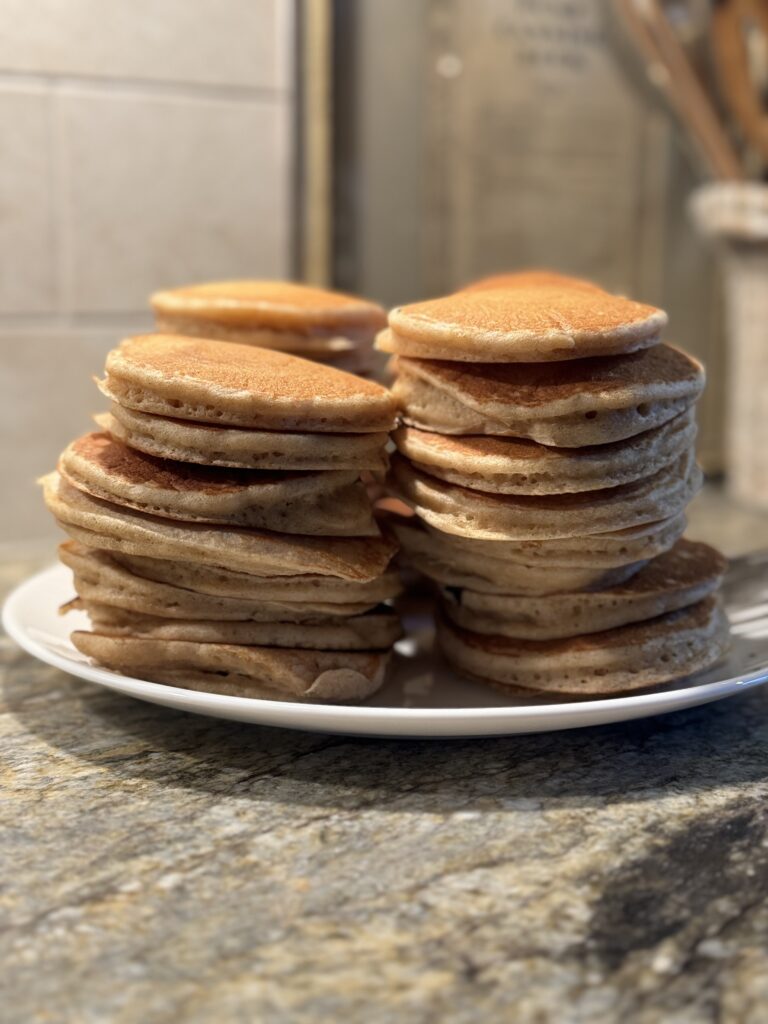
(729, 44)
(670, 70)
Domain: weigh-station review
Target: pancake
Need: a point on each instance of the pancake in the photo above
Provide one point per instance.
(327, 591)
(303, 320)
(242, 386)
(534, 567)
(481, 515)
(352, 353)
(234, 447)
(615, 661)
(681, 577)
(303, 309)
(530, 279)
(100, 578)
(573, 404)
(103, 525)
(517, 466)
(538, 323)
(373, 631)
(332, 503)
(273, 673)
(348, 351)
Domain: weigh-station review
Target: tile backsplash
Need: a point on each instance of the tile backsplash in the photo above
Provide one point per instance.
(145, 145)
(220, 43)
(28, 279)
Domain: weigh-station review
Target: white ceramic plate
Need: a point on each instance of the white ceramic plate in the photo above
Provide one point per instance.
(422, 696)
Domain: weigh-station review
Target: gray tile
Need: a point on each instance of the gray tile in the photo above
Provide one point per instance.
(160, 191)
(27, 281)
(243, 43)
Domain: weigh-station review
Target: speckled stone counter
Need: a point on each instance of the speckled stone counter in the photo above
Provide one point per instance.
(164, 867)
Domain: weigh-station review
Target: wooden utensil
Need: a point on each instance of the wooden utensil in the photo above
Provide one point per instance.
(671, 72)
(732, 20)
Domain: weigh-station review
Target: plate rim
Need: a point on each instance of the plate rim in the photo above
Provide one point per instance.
(359, 715)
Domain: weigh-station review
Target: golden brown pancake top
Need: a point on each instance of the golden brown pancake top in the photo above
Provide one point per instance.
(234, 367)
(277, 304)
(536, 311)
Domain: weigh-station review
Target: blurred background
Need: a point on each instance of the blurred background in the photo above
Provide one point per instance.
(396, 148)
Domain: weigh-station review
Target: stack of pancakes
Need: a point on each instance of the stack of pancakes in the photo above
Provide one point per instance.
(314, 323)
(221, 534)
(547, 449)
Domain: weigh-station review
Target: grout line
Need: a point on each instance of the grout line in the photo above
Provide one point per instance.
(74, 83)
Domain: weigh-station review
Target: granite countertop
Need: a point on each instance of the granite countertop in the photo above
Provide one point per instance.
(161, 867)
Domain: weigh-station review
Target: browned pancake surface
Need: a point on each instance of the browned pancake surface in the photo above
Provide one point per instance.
(237, 368)
(277, 304)
(536, 311)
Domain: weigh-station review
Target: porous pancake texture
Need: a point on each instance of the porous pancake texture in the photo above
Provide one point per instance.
(277, 304)
(546, 451)
(330, 503)
(483, 515)
(679, 578)
(110, 527)
(219, 382)
(240, 448)
(506, 465)
(568, 405)
(221, 527)
(534, 567)
(314, 323)
(616, 661)
(274, 673)
(534, 323)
